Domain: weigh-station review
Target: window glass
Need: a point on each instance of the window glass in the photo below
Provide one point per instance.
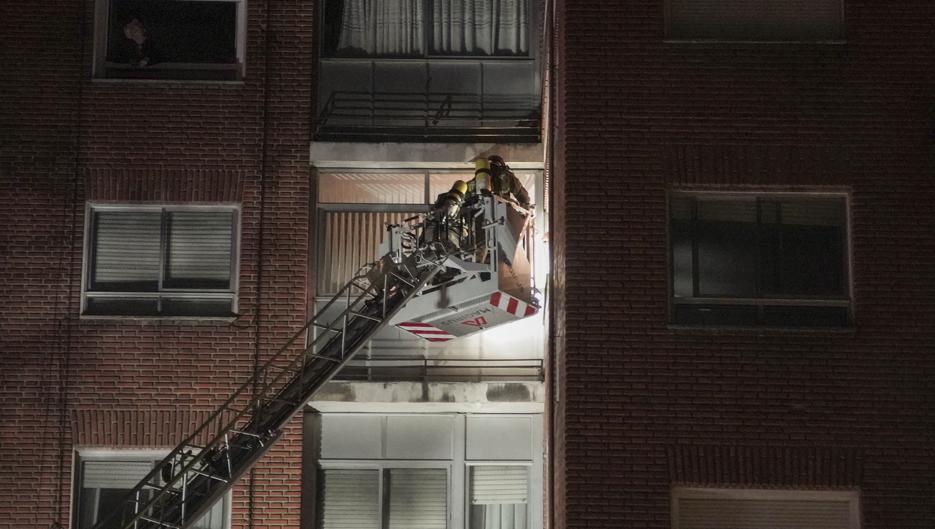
(746, 260)
(104, 485)
(700, 508)
(161, 262)
(371, 188)
(498, 497)
(400, 28)
(417, 498)
(172, 39)
(755, 19)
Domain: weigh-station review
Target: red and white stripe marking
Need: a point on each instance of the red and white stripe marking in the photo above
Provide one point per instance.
(512, 305)
(426, 330)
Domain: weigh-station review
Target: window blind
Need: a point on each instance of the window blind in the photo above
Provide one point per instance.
(350, 499)
(499, 484)
(126, 250)
(114, 474)
(418, 498)
(199, 249)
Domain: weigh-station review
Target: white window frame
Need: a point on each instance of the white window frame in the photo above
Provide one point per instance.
(468, 465)
(232, 293)
(381, 466)
(102, 26)
(850, 496)
(847, 266)
(83, 455)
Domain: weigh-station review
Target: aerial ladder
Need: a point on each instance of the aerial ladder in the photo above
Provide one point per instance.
(438, 277)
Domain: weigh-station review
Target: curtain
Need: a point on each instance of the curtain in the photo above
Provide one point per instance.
(480, 27)
(382, 27)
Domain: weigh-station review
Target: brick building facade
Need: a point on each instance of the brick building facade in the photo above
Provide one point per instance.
(657, 395)
(650, 110)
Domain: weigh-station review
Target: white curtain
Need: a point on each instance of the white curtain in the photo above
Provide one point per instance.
(480, 27)
(382, 27)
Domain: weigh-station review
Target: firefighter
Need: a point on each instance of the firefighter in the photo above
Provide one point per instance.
(494, 176)
(444, 224)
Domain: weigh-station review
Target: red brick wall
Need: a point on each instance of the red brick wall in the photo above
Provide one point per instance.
(639, 400)
(67, 139)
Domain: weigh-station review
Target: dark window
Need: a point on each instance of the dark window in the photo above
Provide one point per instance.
(172, 39)
(759, 260)
(416, 28)
(160, 261)
(770, 20)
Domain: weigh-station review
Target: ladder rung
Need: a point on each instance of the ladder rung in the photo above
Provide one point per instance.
(207, 475)
(326, 327)
(157, 522)
(371, 318)
(328, 358)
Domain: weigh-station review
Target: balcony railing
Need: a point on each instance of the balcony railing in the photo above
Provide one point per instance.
(429, 100)
(420, 368)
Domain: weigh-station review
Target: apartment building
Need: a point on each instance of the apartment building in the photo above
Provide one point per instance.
(743, 253)
(186, 182)
(736, 208)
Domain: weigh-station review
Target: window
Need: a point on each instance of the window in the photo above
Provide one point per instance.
(103, 483)
(170, 39)
(755, 20)
(701, 508)
(160, 261)
(387, 498)
(498, 497)
(416, 28)
(748, 259)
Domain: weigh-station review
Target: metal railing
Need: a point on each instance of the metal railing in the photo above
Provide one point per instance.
(440, 369)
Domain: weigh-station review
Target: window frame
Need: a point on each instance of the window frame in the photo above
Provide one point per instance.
(851, 496)
(468, 465)
(532, 41)
(155, 456)
(845, 301)
(101, 34)
(668, 37)
(382, 466)
(87, 268)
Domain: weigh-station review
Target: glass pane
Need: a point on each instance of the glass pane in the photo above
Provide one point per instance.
(214, 518)
(121, 307)
(726, 235)
(199, 249)
(417, 498)
(805, 250)
(805, 316)
(480, 27)
(150, 32)
(348, 241)
(350, 499)
(196, 307)
(371, 188)
(441, 182)
(502, 516)
(680, 235)
(755, 19)
(374, 28)
(741, 315)
(498, 497)
(126, 251)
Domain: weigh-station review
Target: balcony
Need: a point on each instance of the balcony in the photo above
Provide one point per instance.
(429, 100)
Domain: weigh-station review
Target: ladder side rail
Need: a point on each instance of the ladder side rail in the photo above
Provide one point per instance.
(129, 499)
(371, 328)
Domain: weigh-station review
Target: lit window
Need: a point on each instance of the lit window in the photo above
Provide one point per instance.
(755, 20)
(499, 496)
(409, 497)
(170, 39)
(703, 508)
(161, 261)
(105, 482)
(778, 260)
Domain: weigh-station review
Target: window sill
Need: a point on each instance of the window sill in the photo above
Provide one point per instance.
(160, 320)
(118, 81)
(761, 330)
(692, 42)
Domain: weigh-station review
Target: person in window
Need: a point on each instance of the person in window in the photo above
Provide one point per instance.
(494, 176)
(138, 49)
